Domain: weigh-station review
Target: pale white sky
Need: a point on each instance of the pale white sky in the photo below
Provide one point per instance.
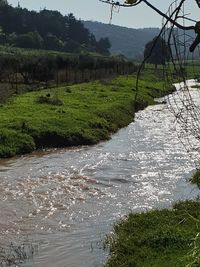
(135, 17)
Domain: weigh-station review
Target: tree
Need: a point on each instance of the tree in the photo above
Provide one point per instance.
(2, 38)
(157, 52)
(29, 40)
(173, 17)
(3, 2)
(52, 42)
(46, 29)
(103, 46)
(76, 30)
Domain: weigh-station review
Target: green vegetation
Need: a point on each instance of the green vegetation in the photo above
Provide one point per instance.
(36, 68)
(157, 238)
(157, 52)
(196, 178)
(196, 86)
(187, 71)
(76, 115)
(48, 30)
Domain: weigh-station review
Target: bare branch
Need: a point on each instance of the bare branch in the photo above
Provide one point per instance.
(155, 9)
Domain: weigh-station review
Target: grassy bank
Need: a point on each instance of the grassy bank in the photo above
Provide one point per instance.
(159, 238)
(76, 115)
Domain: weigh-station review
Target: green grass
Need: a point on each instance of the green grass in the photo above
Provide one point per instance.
(160, 238)
(24, 53)
(196, 178)
(86, 114)
(10, 50)
(190, 71)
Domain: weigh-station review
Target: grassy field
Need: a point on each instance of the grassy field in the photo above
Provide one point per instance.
(10, 50)
(72, 115)
(191, 70)
(160, 238)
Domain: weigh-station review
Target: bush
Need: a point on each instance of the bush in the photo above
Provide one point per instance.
(49, 100)
(196, 178)
(29, 40)
(13, 142)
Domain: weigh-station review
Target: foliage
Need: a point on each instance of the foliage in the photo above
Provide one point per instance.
(3, 2)
(49, 100)
(14, 142)
(44, 66)
(157, 52)
(51, 42)
(89, 113)
(157, 238)
(28, 40)
(196, 178)
(103, 46)
(47, 29)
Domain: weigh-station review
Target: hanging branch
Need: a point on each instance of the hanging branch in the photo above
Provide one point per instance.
(155, 9)
(111, 12)
(175, 12)
(198, 3)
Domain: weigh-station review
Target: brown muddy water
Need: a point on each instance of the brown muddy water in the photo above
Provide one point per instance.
(65, 201)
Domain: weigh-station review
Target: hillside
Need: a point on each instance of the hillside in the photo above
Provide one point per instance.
(126, 41)
(47, 29)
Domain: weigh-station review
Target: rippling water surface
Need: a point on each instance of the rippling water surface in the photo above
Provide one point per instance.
(65, 201)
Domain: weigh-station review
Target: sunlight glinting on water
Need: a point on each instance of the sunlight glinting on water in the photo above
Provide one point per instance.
(66, 200)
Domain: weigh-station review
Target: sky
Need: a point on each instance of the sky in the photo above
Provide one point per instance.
(140, 16)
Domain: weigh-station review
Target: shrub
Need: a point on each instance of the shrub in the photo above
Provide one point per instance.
(49, 100)
(196, 178)
(13, 142)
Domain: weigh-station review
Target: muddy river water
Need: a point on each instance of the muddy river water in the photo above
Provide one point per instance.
(65, 201)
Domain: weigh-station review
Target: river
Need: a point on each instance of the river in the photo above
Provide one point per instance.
(65, 201)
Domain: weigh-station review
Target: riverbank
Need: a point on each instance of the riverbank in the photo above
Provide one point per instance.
(82, 114)
(168, 237)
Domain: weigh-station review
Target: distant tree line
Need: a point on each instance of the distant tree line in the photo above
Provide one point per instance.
(47, 30)
(22, 67)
